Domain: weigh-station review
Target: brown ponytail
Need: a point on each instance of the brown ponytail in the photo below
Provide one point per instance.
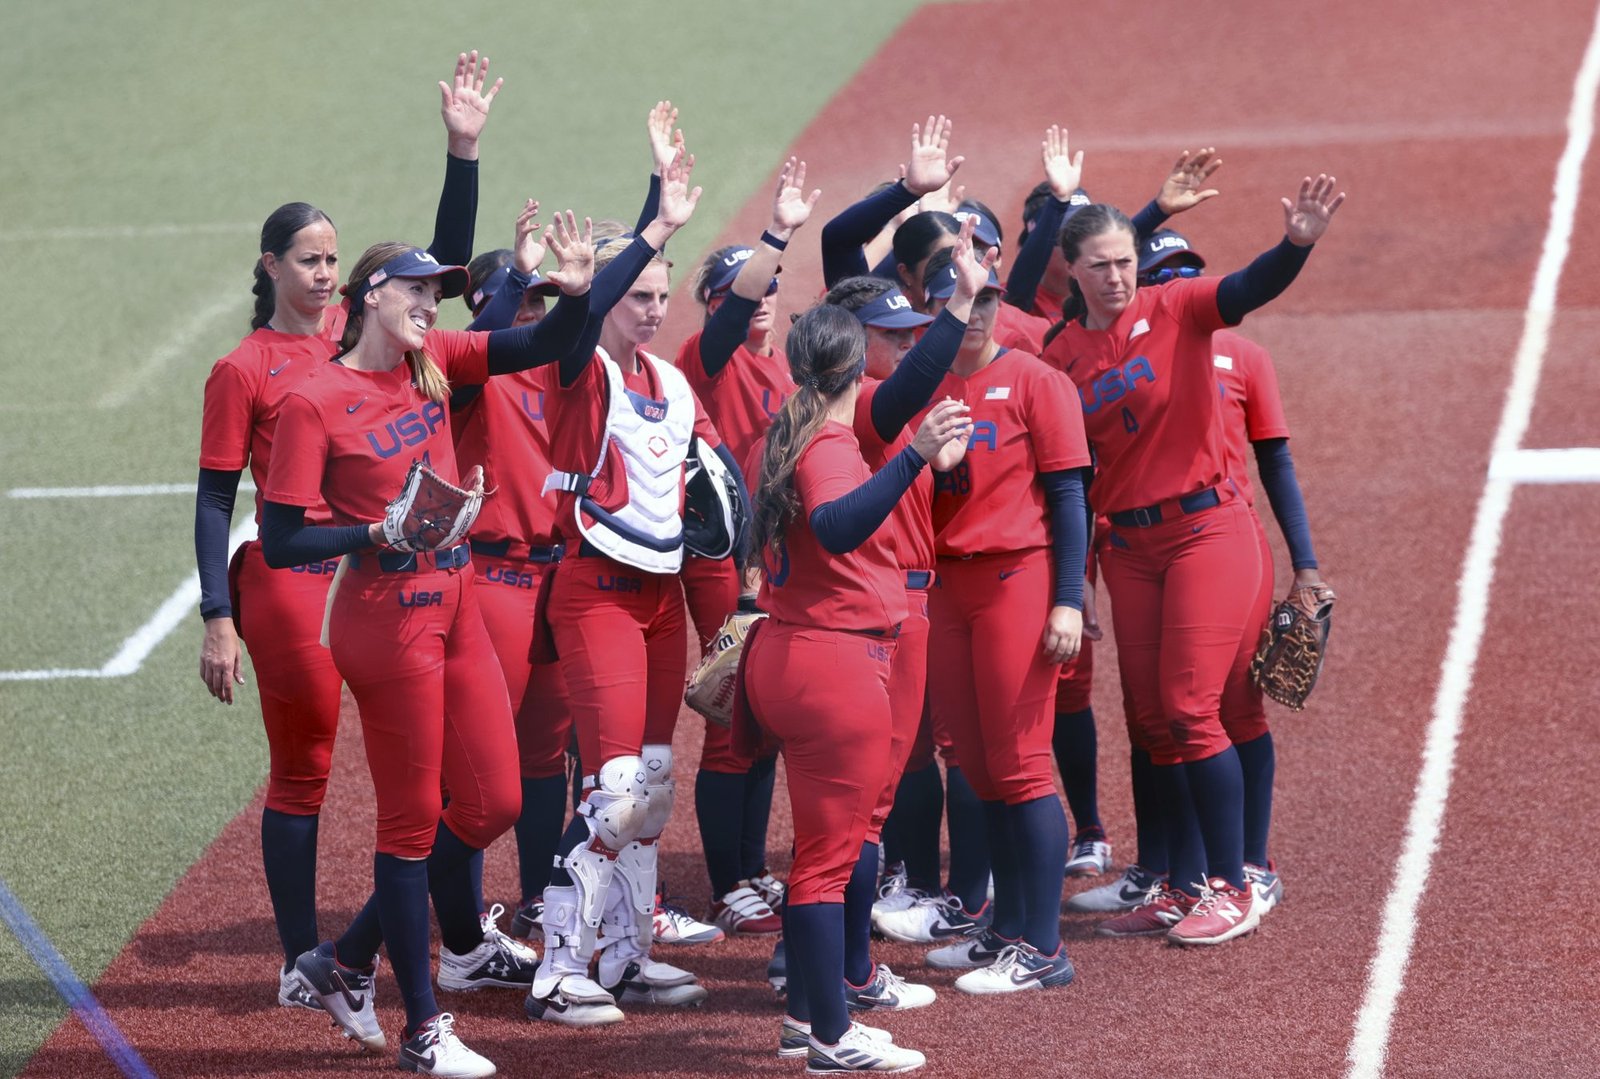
(425, 374)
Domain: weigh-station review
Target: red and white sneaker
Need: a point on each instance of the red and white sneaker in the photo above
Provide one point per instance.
(1162, 908)
(1223, 913)
(742, 911)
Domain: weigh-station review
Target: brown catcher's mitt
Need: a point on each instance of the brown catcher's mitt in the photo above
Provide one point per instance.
(711, 687)
(431, 512)
(1294, 642)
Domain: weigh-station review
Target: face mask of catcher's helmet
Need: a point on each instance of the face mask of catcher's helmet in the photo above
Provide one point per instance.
(714, 512)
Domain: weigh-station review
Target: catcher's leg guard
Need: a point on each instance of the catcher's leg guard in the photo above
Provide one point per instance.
(636, 863)
(562, 989)
(615, 809)
(626, 970)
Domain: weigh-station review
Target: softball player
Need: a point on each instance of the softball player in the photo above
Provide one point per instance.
(293, 332)
(742, 380)
(405, 630)
(1181, 562)
(837, 602)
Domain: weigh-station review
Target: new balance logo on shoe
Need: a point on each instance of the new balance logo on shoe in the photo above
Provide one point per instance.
(1230, 912)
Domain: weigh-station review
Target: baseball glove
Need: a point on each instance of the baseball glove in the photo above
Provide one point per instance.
(1293, 644)
(710, 690)
(430, 512)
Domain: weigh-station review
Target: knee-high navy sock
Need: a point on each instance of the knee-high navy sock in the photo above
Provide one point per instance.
(719, 809)
(402, 895)
(858, 897)
(1039, 828)
(289, 860)
(1149, 813)
(544, 807)
(1186, 850)
(475, 874)
(816, 947)
(911, 834)
(1077, 751)
(576, 835)
(759, 782)
(1010, 899)
(969, 842)
(1258, 762)
(455, 904)
(361, 941)
(1216, 786)
(799, 1005)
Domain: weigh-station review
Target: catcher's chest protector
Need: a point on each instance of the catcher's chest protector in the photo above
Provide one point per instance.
(652, 438)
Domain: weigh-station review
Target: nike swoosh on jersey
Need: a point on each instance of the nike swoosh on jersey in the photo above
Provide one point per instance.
(358, 404)
(273, 371)
(1010, 572)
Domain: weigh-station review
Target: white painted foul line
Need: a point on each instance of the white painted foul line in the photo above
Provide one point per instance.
(127, 232)
(1572, 465)
(132, 380)
(1369, 1043)
(138, 490)
(137, 648)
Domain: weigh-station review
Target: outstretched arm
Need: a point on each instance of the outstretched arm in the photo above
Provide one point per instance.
(1064, 172)
(1306, 218)
(465, 109)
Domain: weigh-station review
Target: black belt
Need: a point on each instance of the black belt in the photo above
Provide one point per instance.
(918, 579)
(421, 562)
(892, 632)
(503, 549)
(1148, 516)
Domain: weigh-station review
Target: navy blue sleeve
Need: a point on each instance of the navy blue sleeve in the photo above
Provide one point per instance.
(1069, 540)
(610, 285)
(1027, 270)
(501, 310)
(1283, 491)
(286, 539)
(912, 385)
(854, 227)
(845, 523)
(741, 541)
(726, 329)
(213, 518)
(652, 204)
(1147, 220)
(1261, 282)
(538, 343)
(457, 218)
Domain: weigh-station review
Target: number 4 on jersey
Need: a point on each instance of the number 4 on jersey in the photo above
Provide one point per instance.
(1129, 423)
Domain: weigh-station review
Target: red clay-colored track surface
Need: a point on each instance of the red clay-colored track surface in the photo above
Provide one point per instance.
(1394, 350)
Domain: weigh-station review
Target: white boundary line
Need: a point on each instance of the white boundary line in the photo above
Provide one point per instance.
(109, 491)
(130, 381)
(1386, 974)
(1570, 465)
(137, 648)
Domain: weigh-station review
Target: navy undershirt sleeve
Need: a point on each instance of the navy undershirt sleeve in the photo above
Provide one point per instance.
(1033, 257)
(912, 385)
(457, 216)
(213, 516)
(286, 539)
(1261, 282)
(726, 329)
(610, 285)
(538, 343)
(652, 205)
(854, 227)
(845, 523)
(1069, 541)
(1148, 220)
(1276, 466)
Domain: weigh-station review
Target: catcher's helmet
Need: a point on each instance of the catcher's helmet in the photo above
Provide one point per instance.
(714, 511)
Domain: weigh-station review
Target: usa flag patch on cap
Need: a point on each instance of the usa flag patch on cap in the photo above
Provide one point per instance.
(997, 393)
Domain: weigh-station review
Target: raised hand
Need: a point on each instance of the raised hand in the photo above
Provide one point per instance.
(929, 168)
(528, 249)
(947, 420)
(946, 199)
(1307, 217)
(574, 252)
(1062, 171)
(464, 104)
(666, 138)
(951, 453)
(791, 206)
(678, 199)
(1186, 187)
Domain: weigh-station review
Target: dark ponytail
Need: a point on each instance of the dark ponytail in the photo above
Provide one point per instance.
(1091, 220)
(918, 236)
(277, 236)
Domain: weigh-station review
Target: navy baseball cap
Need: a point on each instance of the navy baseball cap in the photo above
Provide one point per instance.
(891, 311)
(492, 283)
(943, 285)
(726, 268)
(1167, 246)
(983, 230)
(414, 262)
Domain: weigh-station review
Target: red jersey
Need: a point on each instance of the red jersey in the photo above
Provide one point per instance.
(1047, 305)
(504, 430)
(244, 395)
(1251, 408)
(806, 585)
(577, 418)
(1015, 328)
(910, 526)
(350, 436)
(743, 397)
(1148, 394)
(1024, 423)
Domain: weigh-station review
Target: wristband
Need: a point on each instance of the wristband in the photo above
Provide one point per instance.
(772, 241)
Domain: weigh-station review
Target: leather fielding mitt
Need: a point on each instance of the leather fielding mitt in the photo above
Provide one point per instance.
(711, 687)
(1294, 642)
(430, 512)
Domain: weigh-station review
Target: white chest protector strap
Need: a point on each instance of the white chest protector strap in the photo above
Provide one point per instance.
(652, 439)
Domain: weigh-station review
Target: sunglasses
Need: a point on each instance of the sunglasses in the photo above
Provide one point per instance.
(1169, 273)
